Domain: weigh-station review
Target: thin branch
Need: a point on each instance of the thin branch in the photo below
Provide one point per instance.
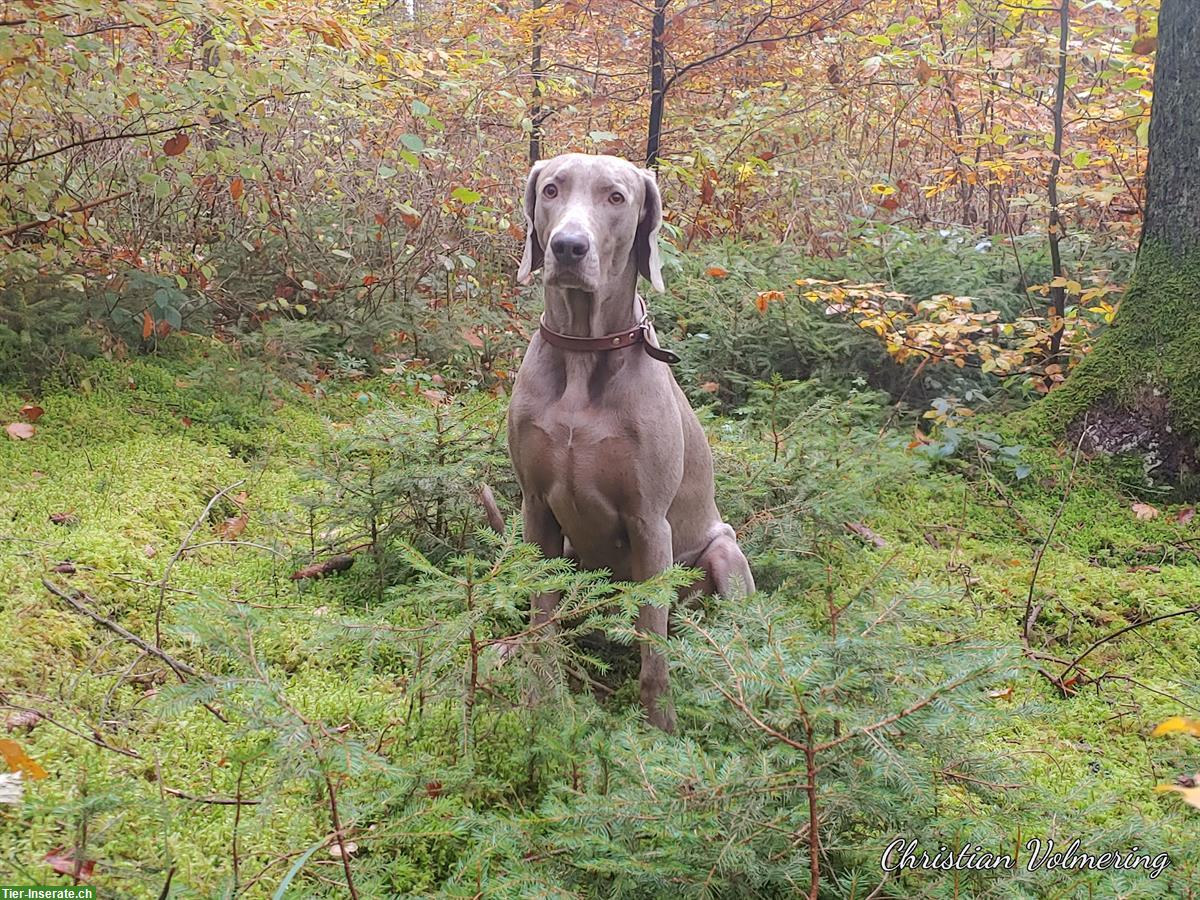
(74, 145)
(162, 587)
(181, 668)
(82, 207)
(1191, 610)
(215, 801)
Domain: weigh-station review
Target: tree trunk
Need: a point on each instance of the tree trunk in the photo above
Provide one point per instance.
(658, 84)
(1139, 389)
(536, 114)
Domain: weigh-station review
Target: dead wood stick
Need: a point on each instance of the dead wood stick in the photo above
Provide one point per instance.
(162, 585)
(181, 668)
(215, 801)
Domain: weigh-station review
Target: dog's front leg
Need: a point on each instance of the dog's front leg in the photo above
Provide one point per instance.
(650, 543)
(542, 529)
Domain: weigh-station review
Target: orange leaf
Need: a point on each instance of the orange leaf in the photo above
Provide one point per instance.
(1185, 515)
(18, 760)
(890, 203)
(133, 101)
(176, 145)
(472, 338)
(410, 220)
(710, 387)
(369, 280)
(19, 431)
(924, 72)
(237, 187)
(31, 413)
(232, 527)
(1145, 45)
(716, 272)
(147, 325)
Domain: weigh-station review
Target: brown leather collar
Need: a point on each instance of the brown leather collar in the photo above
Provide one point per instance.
(639, 334)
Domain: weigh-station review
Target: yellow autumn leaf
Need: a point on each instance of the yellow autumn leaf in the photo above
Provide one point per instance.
(19, 761)
(1177, 725)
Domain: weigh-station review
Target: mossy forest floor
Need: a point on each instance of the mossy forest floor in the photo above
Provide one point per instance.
(134, 453)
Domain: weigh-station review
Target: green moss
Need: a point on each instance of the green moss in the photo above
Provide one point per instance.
(1154, 344)
(118, 455)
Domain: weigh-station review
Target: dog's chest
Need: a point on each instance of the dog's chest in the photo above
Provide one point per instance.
(571, 447)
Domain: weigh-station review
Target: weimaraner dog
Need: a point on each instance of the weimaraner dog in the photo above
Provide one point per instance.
(615, 470)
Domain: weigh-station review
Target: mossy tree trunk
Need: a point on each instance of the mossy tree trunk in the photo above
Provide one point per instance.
(1139, 390)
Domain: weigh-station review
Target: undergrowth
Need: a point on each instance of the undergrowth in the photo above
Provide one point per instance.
(878, 685)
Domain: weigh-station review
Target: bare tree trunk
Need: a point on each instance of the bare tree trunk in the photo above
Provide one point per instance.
(1139, 389)
(1058, 290)
(1173, 172)
(535, 105)
(658, 85)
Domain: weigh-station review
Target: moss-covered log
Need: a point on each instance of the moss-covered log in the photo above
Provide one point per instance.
(1139, 391)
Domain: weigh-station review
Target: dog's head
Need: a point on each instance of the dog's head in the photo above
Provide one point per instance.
(586, 217)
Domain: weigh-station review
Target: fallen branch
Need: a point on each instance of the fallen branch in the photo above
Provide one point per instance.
(215, 801)
(1191, 610)
(327, 567)
(162, 585)
(1032, 611)
(103, 745)
(181, 668)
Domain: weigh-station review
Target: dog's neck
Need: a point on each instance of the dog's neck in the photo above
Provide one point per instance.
(580, 313)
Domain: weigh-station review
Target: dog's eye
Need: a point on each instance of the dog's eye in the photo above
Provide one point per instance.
(550, 192)
(616, 198)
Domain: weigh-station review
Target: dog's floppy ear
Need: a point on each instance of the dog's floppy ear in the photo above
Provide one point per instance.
(533, 256)
(645, 242)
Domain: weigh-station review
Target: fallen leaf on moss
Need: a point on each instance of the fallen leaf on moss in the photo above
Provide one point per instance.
(63, 862)
(19, 761)
(20, 431)
(1187, 786)
(1177, 725)
(1144, 511)
(23, 718)
(232, 527)
(1185, 515)
(31, 413)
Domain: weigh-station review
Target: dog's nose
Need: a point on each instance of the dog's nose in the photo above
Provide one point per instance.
(570, 247)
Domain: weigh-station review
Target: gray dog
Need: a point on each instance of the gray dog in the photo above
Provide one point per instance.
(615, 470)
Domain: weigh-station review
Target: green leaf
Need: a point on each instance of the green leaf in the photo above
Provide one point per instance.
(420, 109)
(1081, 158)
(386, 171)
(174, 319)
(412, 142)
(466, 195)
